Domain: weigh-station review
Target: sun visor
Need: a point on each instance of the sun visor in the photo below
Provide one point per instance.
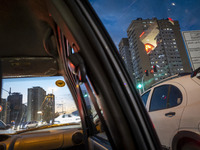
(29, 66)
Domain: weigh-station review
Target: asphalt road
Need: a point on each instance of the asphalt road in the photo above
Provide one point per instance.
(11, 131)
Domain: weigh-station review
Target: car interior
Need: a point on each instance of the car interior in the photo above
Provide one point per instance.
(41, 38)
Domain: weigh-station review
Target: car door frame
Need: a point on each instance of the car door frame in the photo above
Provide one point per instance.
(87, 36)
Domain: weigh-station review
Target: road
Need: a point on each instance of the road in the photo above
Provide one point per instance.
(11, 131)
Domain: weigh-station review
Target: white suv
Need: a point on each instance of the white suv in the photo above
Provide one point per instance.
(174, 107)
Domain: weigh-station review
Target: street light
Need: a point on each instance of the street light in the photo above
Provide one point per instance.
(40, 113)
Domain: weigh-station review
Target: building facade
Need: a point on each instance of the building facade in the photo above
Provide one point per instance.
(36, 97)
(126, 56)
(48, 108)
(14, 113)
(167, 51)
(3, 113)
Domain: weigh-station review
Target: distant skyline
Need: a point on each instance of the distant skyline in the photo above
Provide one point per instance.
(62, 94)
(117, 15)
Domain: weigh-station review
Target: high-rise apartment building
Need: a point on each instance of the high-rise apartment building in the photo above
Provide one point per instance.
(48, 108)
(36, 96)
(14, 113)
(168, 53)
(126, 56)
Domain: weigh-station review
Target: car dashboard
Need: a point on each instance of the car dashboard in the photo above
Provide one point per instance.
(43, 139)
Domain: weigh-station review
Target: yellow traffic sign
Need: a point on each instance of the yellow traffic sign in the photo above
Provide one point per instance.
(60, 83)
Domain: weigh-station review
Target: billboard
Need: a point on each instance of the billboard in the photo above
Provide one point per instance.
(148, 37)
(192, 42)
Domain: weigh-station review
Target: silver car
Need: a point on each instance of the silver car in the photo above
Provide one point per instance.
(31, 124)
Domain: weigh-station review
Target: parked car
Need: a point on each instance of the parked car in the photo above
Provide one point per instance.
(31, 124)
(22, 125)
(67, 118)
(5, 129)
(173, 105)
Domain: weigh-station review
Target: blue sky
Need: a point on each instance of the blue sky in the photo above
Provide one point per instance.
(116, 15)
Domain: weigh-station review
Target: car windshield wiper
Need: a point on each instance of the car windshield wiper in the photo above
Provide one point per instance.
(46, 126)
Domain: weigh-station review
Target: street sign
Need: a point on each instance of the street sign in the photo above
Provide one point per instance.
(60, 83)
(1, 108)
(192, 42)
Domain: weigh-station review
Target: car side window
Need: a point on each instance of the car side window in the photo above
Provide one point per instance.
(175, 97)
(92, 112)
(145, 97)
(159, 98)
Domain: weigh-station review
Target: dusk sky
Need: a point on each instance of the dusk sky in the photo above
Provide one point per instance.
(62, 94)
(116, 15)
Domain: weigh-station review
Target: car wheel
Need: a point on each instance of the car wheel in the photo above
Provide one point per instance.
(27, 127)
(191, 146)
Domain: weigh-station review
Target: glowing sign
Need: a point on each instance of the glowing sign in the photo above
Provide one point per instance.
(171, 21)
(141, 34)
(149, 37)
(148, 47)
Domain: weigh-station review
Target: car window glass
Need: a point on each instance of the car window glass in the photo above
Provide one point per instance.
(36, 101)
(159, 98)
(158, 41)
(92, 112)
(2, 125)
(145, 97)
(175, 97)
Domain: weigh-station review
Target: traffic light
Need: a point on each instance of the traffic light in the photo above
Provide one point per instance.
(139, 86)
(146, 72)
(154, 68)
(151, 71)
(85, 95)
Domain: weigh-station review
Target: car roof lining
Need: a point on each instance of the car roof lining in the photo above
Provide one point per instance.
(24, 24)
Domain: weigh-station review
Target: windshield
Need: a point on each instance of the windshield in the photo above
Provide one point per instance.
(29, 103)
(159, 45)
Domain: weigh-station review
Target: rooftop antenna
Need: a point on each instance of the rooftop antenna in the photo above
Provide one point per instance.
(9, 91)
